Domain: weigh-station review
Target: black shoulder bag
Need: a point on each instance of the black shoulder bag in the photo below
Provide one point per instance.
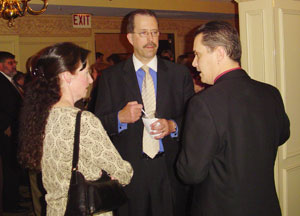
(89, 197)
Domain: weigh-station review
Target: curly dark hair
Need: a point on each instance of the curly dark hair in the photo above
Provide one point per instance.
(41, 93)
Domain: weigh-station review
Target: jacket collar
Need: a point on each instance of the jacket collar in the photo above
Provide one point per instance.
(238, 73)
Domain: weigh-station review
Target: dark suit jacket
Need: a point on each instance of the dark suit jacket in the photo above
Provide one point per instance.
(10, 102)
(118, 85)
(230, 141)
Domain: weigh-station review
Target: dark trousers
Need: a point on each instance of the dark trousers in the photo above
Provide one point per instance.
(11, 175)
(37, 193)
(1, 186)
(152, 193)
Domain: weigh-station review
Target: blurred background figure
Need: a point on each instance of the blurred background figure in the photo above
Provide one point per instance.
(167, 54)
(99, 57)
(186, 60)
(19, 80)
(98, 66)
(113, 59)
(198, 85)
(183, 59)
(95, 71)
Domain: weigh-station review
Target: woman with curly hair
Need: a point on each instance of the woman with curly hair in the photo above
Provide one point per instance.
(60, 78)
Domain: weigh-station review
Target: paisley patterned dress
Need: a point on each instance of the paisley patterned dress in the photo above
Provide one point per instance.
(96, 153)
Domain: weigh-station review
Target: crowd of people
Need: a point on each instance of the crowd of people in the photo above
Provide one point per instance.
(211, 148)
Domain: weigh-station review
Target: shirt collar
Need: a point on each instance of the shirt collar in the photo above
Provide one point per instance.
(138, 64)
(225, 72)
(8, 77)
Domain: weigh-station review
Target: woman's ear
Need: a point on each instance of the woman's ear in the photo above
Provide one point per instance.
(66, 77)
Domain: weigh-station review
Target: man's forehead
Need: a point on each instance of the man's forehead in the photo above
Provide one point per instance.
(9, 59)
(197, 41)
(198, 38)
(141, 20)
(142, 16)
(6, 60)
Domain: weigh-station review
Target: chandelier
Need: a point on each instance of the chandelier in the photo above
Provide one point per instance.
(11, 9)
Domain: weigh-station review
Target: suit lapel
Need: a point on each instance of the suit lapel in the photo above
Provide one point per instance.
(162, 80)
(10, 85)
(130, 79)
(131, 85)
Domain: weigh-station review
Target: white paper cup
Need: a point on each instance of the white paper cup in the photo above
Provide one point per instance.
(147, 122)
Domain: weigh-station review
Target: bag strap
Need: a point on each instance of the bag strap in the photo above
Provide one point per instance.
(76, 141)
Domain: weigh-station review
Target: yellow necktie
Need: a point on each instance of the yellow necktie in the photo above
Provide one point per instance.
(150, 145)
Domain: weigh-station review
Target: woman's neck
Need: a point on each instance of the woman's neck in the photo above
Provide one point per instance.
(66, 99)
(64, 102)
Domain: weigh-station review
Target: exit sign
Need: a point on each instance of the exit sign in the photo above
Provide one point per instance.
(82, 20)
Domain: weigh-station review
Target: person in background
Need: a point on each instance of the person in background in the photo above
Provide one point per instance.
(60, 78)
(231, 132)
(10, 103)
(19, 81)
(198, 85)
(113, 59)
(161, 88)
(167, 54)
(95, 71)
(99, 57)
(98, 66)
(183, 59)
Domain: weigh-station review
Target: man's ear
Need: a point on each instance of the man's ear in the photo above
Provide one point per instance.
(221, 53)
(129, 38)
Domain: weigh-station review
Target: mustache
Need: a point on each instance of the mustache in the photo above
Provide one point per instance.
(150, 44)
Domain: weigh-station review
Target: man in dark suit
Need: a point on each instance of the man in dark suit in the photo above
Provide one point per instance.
(231, 132)
(10, 102)
(154, 189)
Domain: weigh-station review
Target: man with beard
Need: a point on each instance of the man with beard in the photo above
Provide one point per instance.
(10, 102)
(162, 89)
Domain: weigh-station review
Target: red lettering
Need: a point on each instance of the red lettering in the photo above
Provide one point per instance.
(75, 17)
(80, 19)
(88, 19)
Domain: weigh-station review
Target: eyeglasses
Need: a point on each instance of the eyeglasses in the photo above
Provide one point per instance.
(12, 62)
(143, 34)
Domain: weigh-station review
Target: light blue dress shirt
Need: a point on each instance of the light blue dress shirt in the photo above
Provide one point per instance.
(140, 74)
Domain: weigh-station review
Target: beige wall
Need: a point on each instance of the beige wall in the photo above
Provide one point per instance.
(108, 43)
(38, 31)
